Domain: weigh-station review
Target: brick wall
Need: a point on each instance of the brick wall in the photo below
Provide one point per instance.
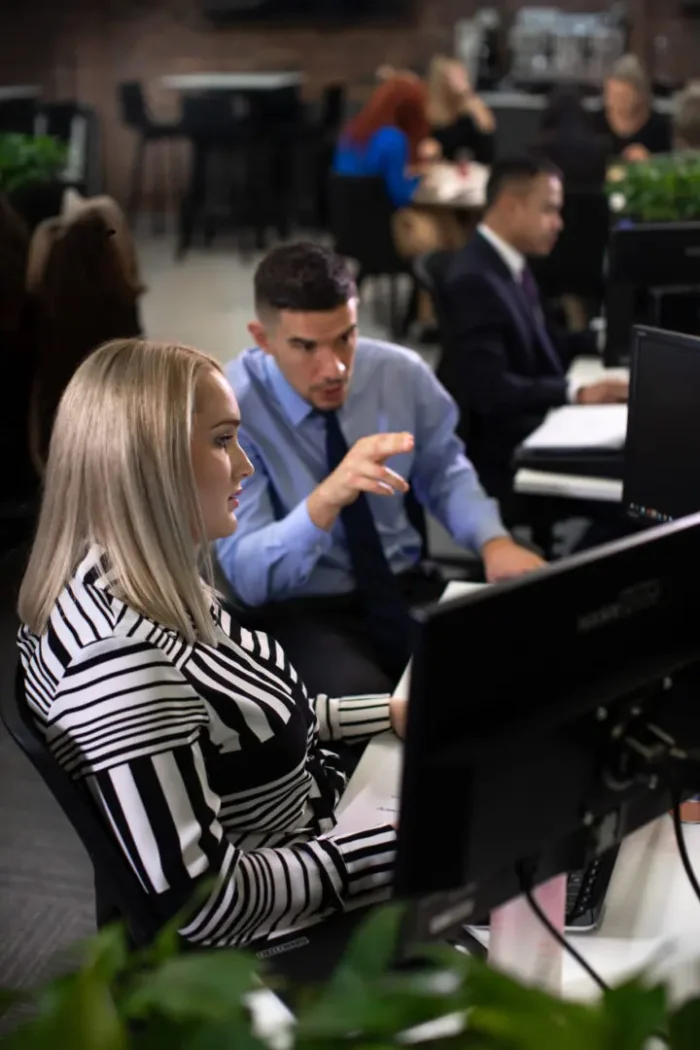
(83, 48)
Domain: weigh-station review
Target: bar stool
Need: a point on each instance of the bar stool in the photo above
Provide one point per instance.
(135, 114)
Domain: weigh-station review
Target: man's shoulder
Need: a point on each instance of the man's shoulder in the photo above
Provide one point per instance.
(473, 260)
(243, 370)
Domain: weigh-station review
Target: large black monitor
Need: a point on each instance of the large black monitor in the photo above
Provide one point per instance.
(662, 452)
(540, 717)
(653, 278)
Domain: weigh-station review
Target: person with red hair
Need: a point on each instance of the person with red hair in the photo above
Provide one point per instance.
(385, 138)
(390, 138)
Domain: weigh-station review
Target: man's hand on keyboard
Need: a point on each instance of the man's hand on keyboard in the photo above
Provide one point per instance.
(505, 559)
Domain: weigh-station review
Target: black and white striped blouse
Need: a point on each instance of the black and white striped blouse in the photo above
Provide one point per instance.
(205, 760)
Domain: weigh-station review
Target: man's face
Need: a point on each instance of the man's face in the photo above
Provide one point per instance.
(534, 215)
(314, 351)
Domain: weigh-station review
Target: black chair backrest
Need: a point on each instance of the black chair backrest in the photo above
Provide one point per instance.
(360, 223)
(17, 116)
(430, 270)
(133, 105)
(112, 871)
(333, 107)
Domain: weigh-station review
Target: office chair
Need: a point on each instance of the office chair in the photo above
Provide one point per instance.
(119, 894)
(361, 226)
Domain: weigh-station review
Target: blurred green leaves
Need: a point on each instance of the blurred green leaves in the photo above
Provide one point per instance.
(27, 159)
(665, 188)
(165, 999)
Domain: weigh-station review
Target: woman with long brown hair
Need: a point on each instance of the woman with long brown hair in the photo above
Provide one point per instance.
(84, 280)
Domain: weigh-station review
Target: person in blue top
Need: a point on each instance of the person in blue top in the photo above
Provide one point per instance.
(385, 138)
(339, 428)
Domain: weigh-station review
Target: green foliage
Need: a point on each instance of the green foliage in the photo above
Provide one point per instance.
(27, 160)
(164, 1000)
(662, 189)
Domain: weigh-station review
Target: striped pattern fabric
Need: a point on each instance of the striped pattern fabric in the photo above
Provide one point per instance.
(205, 761)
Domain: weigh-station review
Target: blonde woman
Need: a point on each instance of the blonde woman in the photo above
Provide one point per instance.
(634, 129)
(193, 736)
(461, 122)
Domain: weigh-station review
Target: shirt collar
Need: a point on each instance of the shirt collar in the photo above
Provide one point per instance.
(295, 407)
(514, 260)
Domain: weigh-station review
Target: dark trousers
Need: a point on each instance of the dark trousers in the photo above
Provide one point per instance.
(327, 638)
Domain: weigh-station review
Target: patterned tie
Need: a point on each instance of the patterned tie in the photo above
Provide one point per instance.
(387, 612)
(534, 303)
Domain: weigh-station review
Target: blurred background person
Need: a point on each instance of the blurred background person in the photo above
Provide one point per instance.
(686, 123)
(461, 122)
(568, 138)
(634, 129)
(388, 138)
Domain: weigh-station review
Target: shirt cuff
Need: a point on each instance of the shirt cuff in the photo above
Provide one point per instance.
(490, 527)
(572, 392)
(367, 860)
(348, 717)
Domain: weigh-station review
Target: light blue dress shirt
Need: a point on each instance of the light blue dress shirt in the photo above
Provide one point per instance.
(277, 552)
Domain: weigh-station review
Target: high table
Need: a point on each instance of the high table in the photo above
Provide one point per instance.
(271, 81)
(10, 92)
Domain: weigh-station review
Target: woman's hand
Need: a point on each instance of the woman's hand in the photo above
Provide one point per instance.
(636, 153)
(398, 709)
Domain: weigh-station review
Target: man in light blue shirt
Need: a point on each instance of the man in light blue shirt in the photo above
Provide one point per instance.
(337, 427)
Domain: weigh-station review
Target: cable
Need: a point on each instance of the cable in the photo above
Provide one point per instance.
(682, 848)
(526, 887)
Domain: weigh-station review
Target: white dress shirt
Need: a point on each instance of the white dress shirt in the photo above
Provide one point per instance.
(516, 263)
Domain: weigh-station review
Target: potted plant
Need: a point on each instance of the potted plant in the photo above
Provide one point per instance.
(30, 168)
(160, 999)
(665, 188)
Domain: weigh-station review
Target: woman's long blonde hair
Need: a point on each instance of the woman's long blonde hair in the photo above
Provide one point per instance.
(444, 106)
(120, 475)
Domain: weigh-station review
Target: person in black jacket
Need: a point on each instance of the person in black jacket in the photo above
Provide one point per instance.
(503, 364)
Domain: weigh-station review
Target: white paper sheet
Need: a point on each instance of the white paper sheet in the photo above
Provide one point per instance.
(581, 426)
(371, 807)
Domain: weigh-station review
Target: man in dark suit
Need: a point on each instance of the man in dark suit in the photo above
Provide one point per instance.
(503, 364)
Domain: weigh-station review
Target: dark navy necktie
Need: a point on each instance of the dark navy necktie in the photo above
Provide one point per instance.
(531, 292)
(387, 612)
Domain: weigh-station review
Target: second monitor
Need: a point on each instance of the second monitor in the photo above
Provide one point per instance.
(662, 449)
(653, 278)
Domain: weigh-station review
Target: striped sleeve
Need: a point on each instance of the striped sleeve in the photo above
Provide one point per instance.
(351, 717)
(128, 724)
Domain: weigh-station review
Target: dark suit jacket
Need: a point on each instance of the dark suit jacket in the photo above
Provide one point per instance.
(495, 363)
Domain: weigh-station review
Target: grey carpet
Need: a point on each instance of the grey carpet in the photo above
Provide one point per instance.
(46, 892)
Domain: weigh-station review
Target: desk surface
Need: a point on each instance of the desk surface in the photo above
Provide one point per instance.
(584, 370)
(652, 919)
(231, 81)
(9, 92)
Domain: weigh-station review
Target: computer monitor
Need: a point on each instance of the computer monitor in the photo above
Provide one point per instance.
(653, 278)
(530, 735)
(661, 473)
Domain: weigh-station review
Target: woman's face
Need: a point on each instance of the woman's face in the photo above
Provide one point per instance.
(218, 461)
(622, 100)
(457, 80)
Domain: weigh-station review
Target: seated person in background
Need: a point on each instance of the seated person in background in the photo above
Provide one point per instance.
(195, 738)
(503, 365)
(384, 139)
(634, 129)
(461, 123)
(84, 279)
(337, 428)
(568, 138)
(686, 122)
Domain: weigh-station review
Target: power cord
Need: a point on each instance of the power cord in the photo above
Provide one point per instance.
(527, 890)
(682, 848)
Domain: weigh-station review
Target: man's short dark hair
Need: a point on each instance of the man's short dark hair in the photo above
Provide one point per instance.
(510, 172)
(302, 277)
